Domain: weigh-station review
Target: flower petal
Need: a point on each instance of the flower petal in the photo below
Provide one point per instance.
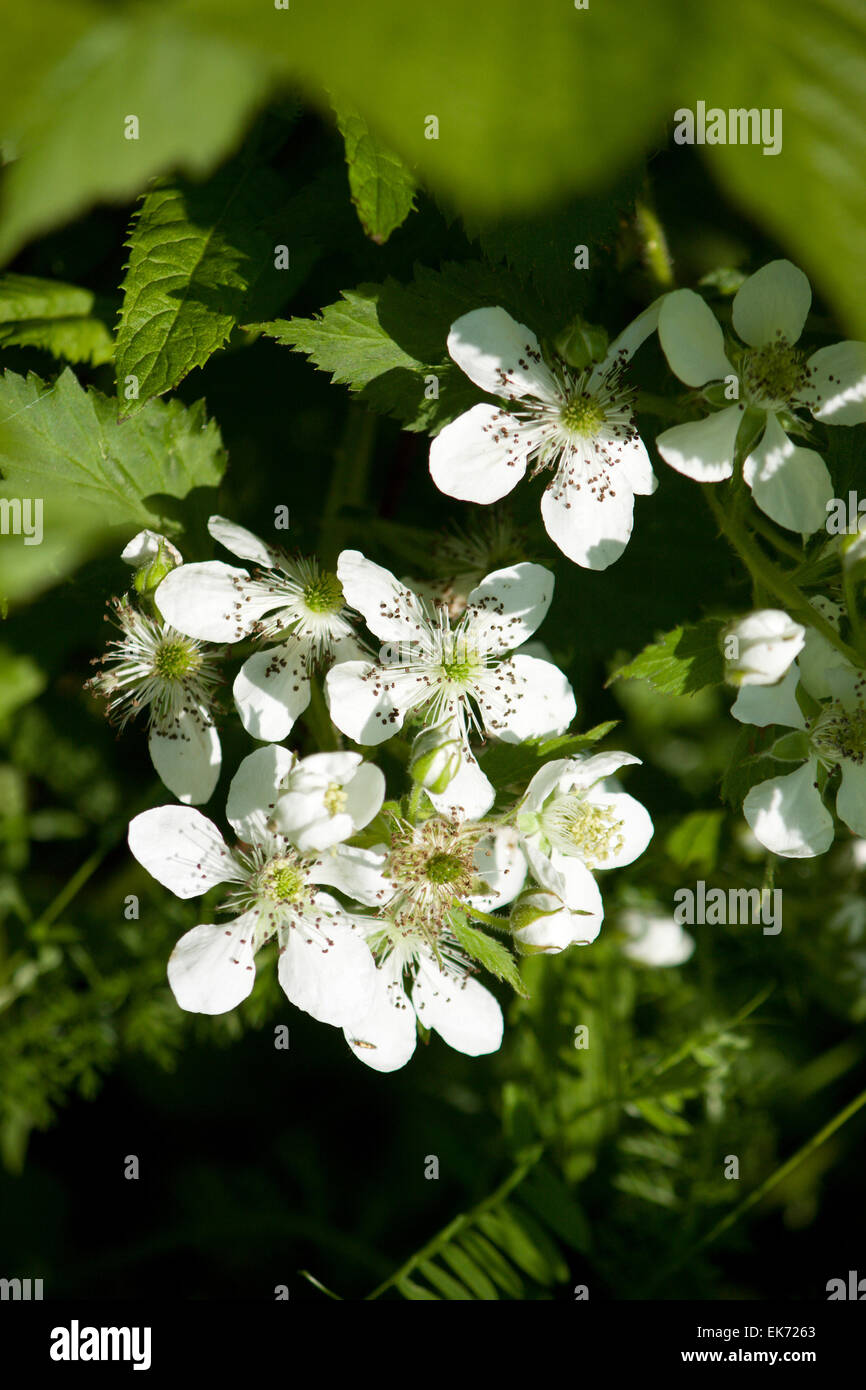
(211, 601)
(634, 824)
(770, 704)
(788, 816)
(255, 790)
(837, 384)
(480, 456)
(772, 304)
(365, 793)
(181, 849)
(581, 896)
(790, 484)
(390, 609)
(703, 449)
(212, 968)
(461, 1011)
(271, 689)
(692, 339)
(355, 872)
(655, 939)
(506, 607)
(469, 795)
(526, 698)
(328, 969)
(385, 1037)
(187, 755)
(591, 525)
(626, 343)
(360, 698)
(500, 355)
(501, 864)
(242, 542)
(851, 797)
(146, 546)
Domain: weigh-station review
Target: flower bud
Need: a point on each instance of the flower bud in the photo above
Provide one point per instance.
(581, 343)
(152, 557)
(760, 648)
(528, 909)
(435, 758)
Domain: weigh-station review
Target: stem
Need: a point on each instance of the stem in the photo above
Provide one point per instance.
(765, 573)
(318, 720)
(654, 245)
(475, 912)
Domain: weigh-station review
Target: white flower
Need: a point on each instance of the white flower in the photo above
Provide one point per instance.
(787, 813)
(326, 798)
(153, 668)
(655, 939)
(147, 546)
(451, 674)
(422, 971)
(790, 483)
(580, 425)
(760, 647)
(542, 922)
(325, 966)
(284, 596)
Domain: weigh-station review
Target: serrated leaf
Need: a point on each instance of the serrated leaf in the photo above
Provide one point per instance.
(489, 952)
(196, 252)
(54, 316)
(63, 441)
(750, 764)
(507, 764)
(383, 190)
(682, 661)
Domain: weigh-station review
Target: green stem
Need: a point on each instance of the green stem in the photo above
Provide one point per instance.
(475, 912)
(766, 574)
(654, 245)
(318, 720)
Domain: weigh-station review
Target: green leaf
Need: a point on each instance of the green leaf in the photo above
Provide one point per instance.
(751, 763)
(63, 442)
(51, 315)
(383, 190)
(415, 1293)
(448, 1287)
(682, 662)
(196, 253)
(67, 115)
(523, 1243)
(552, 1199)
(21, 681)
(469, 1272)
(695, 841)
(387, 342)
(507, 764)
(494, 1262)
(489, 952)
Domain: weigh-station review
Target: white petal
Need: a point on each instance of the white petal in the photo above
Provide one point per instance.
(692, 339)
(507, 606)
(591, 526)
(181, 849)
(581, 896)
(254, 792)
(837, 383)
(499, 355)
(634, 463)
(656, 940)
(211, 601)
(308, 825)
(328, 972)
(546, 780)
(626, 344)
(360, 698)
(788, 816)
(242, 542)
(385, 1037)
(526, 698)
(146, 546)
(501, 863)
(187, 755)
(391, 610)
(365, 793)
(767, 642)
(772, 303)
(355, 872)
(271, 689)
(851, 797)
(703, 449)
(479, 457)
(770, 704)
(468, 796)
(789, 484)
(212, 968)
(587, 769)
(462, 1012)
(635, 826)
(818, 655)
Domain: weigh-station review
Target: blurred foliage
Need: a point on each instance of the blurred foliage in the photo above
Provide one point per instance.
(560, 1165)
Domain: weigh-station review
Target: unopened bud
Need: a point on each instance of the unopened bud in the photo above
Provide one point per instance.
(435, 758)
(760, 648)
(152, 557)
(528, 909)
(581, 343)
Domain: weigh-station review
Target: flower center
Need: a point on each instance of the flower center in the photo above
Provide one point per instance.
(459, 660)
(839, 734)
(582, 416)
(444, 868)
(173, 659)
(335, 799)
(324, 594)
(576, 826)
(281, 881)
(773, 374)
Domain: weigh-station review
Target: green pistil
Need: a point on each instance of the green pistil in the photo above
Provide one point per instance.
(460, 671)
(582, 416)
(575, 826)
(174, 660)
(324, 594)
(773, 374)
(444, 868)
(281, 881)
(840, 734)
